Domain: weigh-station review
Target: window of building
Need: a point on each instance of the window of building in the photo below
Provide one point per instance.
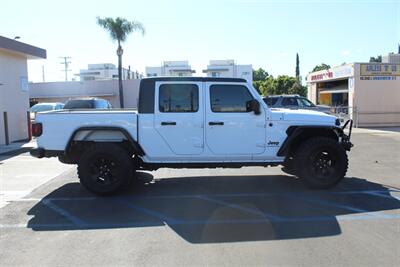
(215, 74)
(179, 98)
(229, 98)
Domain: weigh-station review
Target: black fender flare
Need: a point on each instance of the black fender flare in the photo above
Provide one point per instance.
(295, 133)
(138, 149)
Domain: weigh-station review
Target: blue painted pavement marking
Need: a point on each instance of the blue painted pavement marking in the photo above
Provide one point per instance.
(146, 211)
(238, 207)
(75, 220)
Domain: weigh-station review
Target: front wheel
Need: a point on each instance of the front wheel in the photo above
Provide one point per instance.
(105, 168)
(321, 162)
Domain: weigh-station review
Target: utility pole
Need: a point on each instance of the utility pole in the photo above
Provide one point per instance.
(66, 63)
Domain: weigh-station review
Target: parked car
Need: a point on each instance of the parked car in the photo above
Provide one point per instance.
(194, 122)
(294, 102)
(42, 107)
(88, 103)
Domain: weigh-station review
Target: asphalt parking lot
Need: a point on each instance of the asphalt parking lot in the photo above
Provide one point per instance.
(248, 216)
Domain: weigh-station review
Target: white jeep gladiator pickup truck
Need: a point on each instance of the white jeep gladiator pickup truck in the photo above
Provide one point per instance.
(193, 123)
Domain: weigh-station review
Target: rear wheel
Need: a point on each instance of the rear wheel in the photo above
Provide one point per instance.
(105, 168)
(321, 162)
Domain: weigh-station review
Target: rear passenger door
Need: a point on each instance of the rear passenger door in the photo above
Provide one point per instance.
(231, 129)
(179, 116)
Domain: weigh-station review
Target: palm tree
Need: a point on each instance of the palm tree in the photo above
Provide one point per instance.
(119, 29)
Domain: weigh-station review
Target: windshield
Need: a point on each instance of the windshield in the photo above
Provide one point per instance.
(304, 102)
(79, 104)
(41, 108)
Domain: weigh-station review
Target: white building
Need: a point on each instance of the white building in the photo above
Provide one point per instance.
(391, 58)
(229, 69)
(368, 92)
(105, 71)
(171, 68)
(14, 88)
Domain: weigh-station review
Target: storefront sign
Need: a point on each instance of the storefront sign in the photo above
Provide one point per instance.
(379, 69)
(322, 76)
(334, 73)
(378, 78)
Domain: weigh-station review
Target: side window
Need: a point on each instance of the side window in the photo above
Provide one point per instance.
(179, 98)
(101, 104)
(271, 101)
(289, 101)
(229, 98)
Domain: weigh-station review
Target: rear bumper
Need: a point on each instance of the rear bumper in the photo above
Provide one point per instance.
(43, 153)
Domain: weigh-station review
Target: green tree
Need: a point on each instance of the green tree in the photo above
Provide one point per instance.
(283, 84)
(297, 67)
(323, 66)
(267, 87)
(119, 29)
(260, 74)
(298, 89)
(375, 59)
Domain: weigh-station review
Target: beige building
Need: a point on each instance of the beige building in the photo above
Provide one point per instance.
(368, 92)
(106, 89)
(14, 88)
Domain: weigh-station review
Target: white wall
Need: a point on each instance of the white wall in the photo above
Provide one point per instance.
(377, 101)
(13, 100)
(245, 72)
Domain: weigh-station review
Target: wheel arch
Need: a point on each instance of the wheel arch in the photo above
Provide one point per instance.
(103, 134)
(298, 134)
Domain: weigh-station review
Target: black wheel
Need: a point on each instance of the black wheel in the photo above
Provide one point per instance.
(289, 166)
(321, 162)
(105, 168)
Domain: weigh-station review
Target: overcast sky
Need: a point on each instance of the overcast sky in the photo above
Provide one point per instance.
(264, 33)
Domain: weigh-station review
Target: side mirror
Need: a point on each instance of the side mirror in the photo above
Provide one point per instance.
(253, 105)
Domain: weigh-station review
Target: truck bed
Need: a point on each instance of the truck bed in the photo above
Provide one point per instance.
(59, 126)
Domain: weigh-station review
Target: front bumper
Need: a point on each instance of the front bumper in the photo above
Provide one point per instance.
(345, 138)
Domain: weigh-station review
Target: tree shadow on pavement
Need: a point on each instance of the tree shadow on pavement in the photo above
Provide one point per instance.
(218, 208)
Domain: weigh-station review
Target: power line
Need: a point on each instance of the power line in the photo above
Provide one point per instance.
(66, 66)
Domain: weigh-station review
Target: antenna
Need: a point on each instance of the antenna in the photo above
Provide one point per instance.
(66, 65)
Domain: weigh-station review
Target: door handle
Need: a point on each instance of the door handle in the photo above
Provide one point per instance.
(164, 123)
(216, 123)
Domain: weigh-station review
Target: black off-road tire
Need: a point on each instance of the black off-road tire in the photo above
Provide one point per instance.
(105, 168)
(321, 162)
(289, 166)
